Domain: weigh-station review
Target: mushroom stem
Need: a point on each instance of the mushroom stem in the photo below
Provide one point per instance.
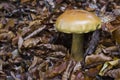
(77, 47)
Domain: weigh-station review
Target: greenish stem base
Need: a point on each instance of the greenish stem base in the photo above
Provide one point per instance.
(77, 47)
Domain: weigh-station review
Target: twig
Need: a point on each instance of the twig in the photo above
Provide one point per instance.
(35, 32)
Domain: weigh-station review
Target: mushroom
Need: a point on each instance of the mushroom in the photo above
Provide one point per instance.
(77, 22)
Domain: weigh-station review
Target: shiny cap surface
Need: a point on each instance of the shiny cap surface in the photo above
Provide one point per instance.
(77, 21)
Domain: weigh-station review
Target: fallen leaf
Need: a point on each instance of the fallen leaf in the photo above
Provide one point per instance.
(93, 72)
(114, 73)
(97, 58)
(116, 34)
(68, 71)
(57, 69)
(108, 65)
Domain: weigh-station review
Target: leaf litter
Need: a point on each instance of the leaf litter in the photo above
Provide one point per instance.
(32, 49)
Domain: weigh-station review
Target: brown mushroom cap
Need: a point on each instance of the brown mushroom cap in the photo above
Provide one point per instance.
(77, 21)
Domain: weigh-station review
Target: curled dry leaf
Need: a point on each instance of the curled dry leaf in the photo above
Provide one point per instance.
(40, 53)
(54, 59)
(24, 1)
(10, 24)
(14, 76)
(35, 61)
(116, 34)
(34, 19)
(108, 65)
(54, 47)
(116, 22)
(110, 22)
(7, 36)
(37, 69)
(7, 6)
(36, 22)
(1, 25)
(57, 69)
(115, 73)
(2, 75)
(107, 19)
(77, 73)
(5, 54)
(116, 12)
(110, 27)
(110, 49)
(58, 53)
(68, 70)
(31, 42)
(15, 40)
(58, 1)
(97, 58)
(3, 31)
(24, 31)
(107, 42)
(92, 72)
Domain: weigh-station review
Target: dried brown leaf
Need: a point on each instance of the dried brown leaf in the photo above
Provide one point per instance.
(110, 28)
(97, 58)
(3, 31)
(24, 31)
(92, 72)
(116, 22)
(58, 1)
(7, 6)
(15, 40)
(115, 73)
(111, 48)
(36, 22)
(58, 53)
(10, 24)
(24, 1)
(107, 18)
(31, 42)
(1, 25)
(116, 34)
(116, 12)
(57, 69)
(35, 62)
(7, 36)
(107, 42)
(79, 76)
(77, 73)
(54, 47)
(14, 76)
(68, 71)
(111, 51)
(108, 65)
(2, 75)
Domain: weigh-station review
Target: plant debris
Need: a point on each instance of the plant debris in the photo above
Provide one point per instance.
(32, 49)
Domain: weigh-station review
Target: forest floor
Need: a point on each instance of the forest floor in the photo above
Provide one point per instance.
(32, 49)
